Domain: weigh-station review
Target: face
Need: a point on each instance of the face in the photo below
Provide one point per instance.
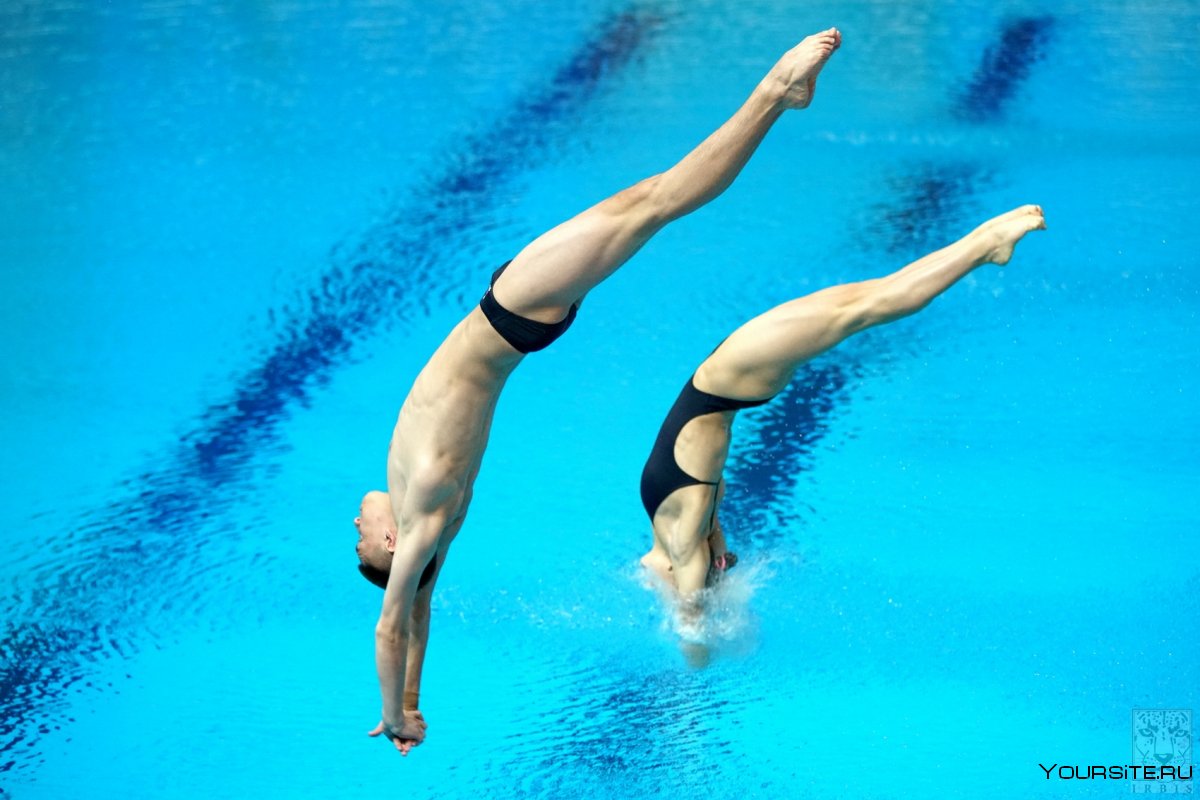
(376, 530)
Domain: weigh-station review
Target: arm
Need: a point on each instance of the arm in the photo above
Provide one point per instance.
(396, 630)
(717, 546)
(690, 555)
(418, 636)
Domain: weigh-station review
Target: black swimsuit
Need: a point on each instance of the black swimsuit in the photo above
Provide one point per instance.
(524, 334)
(662, 473)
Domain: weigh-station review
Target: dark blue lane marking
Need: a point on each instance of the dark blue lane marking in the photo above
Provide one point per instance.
(764, 471)
(96, 605)
(662, 719)
(373, 280)
(1004, 67)
(926, 202)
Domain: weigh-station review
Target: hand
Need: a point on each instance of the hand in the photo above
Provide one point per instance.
(408, 735)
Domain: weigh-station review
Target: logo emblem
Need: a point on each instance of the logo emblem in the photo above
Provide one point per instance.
(1163, 738)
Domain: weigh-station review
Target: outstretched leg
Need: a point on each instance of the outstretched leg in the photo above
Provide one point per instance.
(559, 267)
(759, 358)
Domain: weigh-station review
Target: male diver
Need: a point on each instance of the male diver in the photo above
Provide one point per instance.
(443, 425)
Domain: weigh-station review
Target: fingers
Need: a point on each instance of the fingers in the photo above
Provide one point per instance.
(403, 744)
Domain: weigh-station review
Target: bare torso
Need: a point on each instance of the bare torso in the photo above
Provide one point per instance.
(443, 426)
(687, 515)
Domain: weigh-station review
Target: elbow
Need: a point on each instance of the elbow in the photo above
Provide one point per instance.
(387, 633)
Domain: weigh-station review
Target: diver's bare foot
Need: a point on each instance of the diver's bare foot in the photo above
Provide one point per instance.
(1000, 234)
(796, 73)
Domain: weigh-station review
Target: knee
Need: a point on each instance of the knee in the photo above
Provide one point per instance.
(644, 192)
(886, 300)
(646, 203)
(867, 304)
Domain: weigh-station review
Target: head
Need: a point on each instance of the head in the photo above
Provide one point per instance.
(376, 537)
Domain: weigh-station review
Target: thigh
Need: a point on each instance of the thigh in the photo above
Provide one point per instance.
(758, 359)
(558, 268)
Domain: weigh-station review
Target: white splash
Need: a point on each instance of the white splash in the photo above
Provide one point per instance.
(728, 625)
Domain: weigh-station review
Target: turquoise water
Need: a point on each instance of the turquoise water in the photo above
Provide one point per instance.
(231, 235)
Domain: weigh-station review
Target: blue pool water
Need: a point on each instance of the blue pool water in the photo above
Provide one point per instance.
(231, 234)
